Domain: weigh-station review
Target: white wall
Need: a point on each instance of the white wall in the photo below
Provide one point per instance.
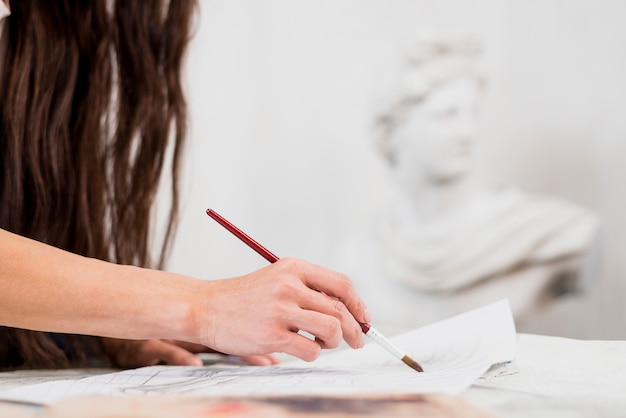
(281, 93)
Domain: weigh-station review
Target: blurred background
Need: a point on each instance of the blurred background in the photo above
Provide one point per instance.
(282, 94)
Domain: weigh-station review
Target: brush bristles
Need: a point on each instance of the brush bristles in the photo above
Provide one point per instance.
(412, 363)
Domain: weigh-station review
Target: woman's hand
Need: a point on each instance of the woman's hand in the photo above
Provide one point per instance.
(139, 353)
(263, 312)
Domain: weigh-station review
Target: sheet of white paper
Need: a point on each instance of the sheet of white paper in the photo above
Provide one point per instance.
(454, 353)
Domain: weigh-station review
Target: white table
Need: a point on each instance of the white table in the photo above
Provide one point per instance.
(550, 377)
(556, 377)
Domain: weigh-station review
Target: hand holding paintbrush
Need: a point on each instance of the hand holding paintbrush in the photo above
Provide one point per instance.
(269, 256)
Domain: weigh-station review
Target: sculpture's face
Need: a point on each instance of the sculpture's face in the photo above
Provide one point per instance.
(435, 140)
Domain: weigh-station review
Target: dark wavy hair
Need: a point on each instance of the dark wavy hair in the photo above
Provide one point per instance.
(92, 113)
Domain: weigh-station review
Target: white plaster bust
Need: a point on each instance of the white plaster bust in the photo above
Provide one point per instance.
(448, 243)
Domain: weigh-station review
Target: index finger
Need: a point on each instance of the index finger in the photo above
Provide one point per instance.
(336, 285)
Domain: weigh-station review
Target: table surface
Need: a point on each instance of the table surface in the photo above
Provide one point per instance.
(550, 376)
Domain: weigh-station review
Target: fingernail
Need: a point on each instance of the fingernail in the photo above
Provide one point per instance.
(367, 316)
(361, 344)
(195, 361)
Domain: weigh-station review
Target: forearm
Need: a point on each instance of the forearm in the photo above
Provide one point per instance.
(44, 288)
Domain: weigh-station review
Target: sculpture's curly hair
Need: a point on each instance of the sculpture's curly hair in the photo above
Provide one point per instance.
(426, 64)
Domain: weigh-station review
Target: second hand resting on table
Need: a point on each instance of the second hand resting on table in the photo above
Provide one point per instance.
(45, 288)
(140, 353)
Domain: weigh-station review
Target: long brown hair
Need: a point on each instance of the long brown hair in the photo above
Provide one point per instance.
(91, 114)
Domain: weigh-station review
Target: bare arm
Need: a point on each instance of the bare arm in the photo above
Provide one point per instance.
(48, 289)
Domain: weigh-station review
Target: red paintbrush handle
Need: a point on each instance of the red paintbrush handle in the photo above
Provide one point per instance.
(264, 252)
